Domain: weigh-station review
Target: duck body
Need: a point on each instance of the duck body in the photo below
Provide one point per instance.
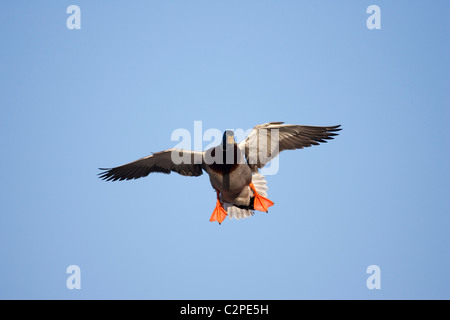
(230, 175)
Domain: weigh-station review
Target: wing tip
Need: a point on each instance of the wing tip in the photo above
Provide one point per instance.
(335, 128)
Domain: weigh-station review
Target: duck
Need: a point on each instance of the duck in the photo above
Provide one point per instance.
(233, 168)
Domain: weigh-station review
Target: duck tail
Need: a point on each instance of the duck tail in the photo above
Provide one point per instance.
(236, 212)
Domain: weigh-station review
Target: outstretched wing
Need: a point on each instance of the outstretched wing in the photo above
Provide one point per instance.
(186, 163)
(267, 140)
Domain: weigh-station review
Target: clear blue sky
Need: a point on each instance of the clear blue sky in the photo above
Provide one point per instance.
(75, 100)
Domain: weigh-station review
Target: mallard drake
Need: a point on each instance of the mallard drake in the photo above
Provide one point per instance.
(233, 168)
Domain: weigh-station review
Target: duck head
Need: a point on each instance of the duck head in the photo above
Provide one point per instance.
(228, 140)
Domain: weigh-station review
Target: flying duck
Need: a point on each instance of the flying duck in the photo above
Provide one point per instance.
(233, 168)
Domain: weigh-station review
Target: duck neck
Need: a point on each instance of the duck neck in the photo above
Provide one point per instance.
(229, 156)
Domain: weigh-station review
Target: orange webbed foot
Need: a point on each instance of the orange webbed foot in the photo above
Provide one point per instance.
(260, 203)
(219, 214)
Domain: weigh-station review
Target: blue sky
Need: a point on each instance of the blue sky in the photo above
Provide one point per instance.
(114, 91)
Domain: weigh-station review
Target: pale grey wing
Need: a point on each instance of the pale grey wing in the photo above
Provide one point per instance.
(186, 163)
(267, 140)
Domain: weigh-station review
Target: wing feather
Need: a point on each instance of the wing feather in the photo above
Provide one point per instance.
(158, 162)
(269, 139)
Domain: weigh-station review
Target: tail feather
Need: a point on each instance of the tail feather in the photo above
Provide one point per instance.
(237, 213)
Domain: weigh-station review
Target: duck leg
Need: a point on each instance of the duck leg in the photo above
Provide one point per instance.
(260, 203)
(219, 214)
